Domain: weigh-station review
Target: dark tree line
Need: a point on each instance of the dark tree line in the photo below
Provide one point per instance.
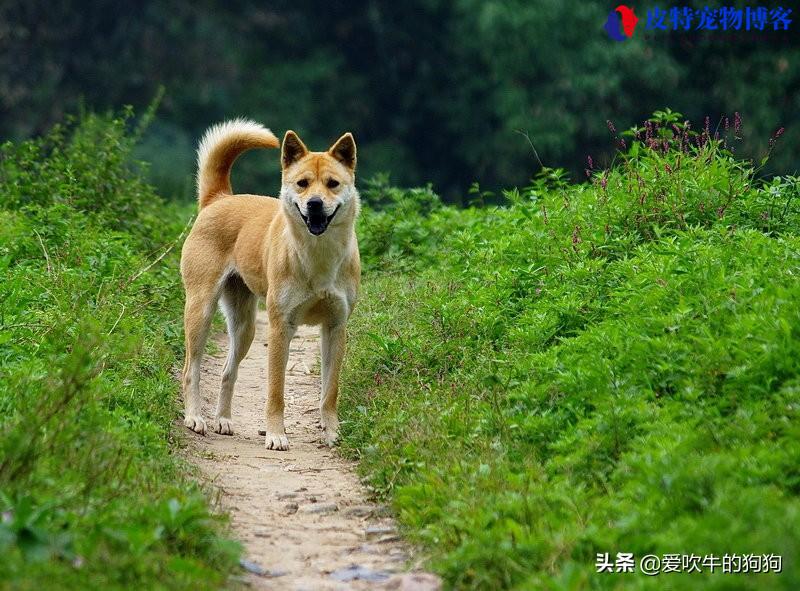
(435, 91)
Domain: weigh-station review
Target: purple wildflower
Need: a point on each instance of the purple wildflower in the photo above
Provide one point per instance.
(775, 137)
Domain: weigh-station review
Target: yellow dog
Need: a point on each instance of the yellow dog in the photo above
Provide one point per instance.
(298, 251)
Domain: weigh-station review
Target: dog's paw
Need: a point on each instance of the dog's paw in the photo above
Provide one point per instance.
(330, 428)
(196, 423)
(223, 426)
(277, 441)
(330, 437)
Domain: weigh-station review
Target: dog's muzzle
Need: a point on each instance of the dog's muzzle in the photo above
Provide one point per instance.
(315, 219)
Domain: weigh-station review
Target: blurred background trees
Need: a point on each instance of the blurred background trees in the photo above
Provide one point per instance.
(446, 92)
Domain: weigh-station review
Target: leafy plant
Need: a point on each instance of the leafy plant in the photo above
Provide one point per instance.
(601, 367)
(91, 495)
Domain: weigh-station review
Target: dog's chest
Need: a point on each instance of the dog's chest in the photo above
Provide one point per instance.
(321, 269)
(320, 296)
(326, 303)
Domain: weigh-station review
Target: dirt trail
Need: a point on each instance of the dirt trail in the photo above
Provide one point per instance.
(302, 514)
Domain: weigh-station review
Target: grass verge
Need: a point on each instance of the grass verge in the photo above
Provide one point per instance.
(598, 368)
(90, 492)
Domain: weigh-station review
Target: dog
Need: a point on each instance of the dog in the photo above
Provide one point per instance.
(299, 252)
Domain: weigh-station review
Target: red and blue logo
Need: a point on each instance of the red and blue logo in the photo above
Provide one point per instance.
(621, 23)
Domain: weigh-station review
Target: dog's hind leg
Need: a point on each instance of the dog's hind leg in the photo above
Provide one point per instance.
(239, 305)
(198, 312)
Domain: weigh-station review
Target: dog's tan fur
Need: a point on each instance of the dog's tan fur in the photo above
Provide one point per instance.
(243, 247)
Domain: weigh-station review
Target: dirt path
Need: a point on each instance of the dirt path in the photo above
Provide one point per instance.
(302, 514)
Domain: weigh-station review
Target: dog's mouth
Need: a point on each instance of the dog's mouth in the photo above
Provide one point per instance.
(317, 223)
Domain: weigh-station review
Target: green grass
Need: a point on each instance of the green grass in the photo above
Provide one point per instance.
(92, 494)
(604, 367)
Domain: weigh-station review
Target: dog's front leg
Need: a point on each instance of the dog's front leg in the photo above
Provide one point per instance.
(333, 346)
(278, 338)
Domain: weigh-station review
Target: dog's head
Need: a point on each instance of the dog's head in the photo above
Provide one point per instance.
(318, 188)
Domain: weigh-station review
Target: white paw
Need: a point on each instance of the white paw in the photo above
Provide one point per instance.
(223, 426)
(196, 423)
(330, 429)
(330, 437)
(277, 441)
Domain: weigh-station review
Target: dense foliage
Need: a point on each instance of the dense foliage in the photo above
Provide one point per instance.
(435, 91)
(611, 366)
(91, 495)
(605, 367)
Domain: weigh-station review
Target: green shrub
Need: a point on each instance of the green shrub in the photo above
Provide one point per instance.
(611, 367)
(90, 492)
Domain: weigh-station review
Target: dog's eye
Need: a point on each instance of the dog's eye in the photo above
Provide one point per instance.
(332, 184)
(303, 183)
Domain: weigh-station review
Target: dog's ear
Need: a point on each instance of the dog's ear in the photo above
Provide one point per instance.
(344, 150)
(292, 150)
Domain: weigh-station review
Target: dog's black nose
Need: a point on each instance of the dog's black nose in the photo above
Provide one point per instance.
(315, 218)
(314, 205)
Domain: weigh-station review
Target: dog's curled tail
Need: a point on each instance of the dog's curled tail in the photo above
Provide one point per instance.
(218, 150)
